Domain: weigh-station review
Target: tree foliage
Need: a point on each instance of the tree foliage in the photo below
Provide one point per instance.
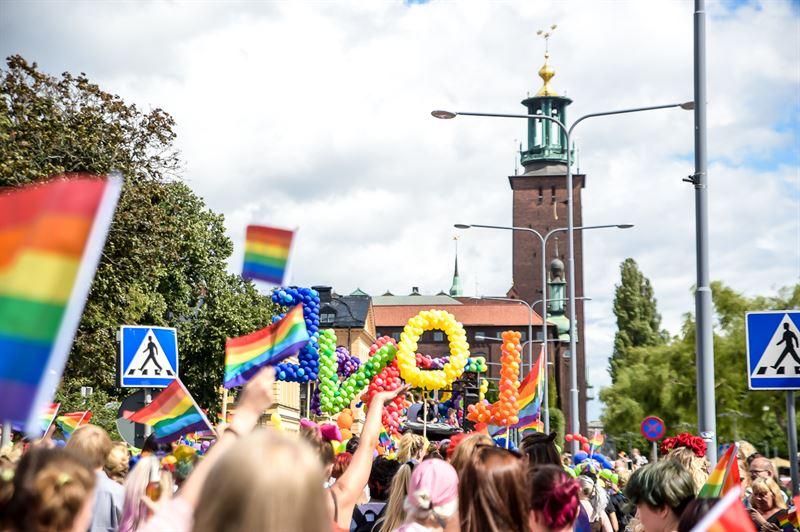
(660, 380)
(638, 320)
(165, 258)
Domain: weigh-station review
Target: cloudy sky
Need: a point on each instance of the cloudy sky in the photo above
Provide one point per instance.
(317, 115)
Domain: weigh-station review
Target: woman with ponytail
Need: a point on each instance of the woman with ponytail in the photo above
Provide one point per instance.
(432, 500)
(554, 500)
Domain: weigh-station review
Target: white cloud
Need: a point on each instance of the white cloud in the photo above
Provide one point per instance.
(317, 115)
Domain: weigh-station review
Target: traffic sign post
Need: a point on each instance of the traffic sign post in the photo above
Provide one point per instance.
(653, 429)
(148, 356)
(773, 363)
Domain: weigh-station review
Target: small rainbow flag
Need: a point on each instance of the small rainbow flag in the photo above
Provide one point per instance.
(245, 355)
(51, 236)
(172, 414)
(266, 253)
(72, 420)
(728, 515)
(531, 389)
(47, 416)
(724, 477)
(597, 440)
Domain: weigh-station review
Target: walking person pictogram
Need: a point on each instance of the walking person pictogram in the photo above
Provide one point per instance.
(790, 341)
(152, 351)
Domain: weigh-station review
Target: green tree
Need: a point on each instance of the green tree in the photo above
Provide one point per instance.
(165, 257)
(638, 320)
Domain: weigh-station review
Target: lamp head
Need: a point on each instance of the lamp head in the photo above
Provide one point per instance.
(687, 106)
(624, 226)
(444, 115)
(462, 226)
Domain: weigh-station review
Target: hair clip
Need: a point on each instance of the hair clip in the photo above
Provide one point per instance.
(63, 478)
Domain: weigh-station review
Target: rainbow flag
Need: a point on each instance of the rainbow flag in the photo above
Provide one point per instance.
(728, 515)
(51, 236)
(531, 389)
(724, 477)
(266, 253)
(172, 414)
(597, 440)
(245, 355)
(71, 421)
(47, 416)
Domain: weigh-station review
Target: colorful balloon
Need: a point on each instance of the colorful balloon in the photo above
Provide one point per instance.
(406, 350)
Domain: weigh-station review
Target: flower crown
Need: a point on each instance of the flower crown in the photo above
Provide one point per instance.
(695, 443)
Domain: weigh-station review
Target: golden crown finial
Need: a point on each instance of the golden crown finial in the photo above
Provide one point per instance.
(546, 72)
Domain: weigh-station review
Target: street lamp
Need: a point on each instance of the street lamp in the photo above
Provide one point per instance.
(575, 425)
(572, 299)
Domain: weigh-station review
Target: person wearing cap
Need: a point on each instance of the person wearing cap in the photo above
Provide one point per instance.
(432, 500)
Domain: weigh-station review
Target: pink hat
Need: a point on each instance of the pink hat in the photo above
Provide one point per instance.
(434, 483)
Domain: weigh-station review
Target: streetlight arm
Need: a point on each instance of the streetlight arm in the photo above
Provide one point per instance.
(685, 105)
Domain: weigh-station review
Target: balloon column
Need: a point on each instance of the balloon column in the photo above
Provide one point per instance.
(582, 440)
(387, 380)
(308, 364)
(347, 365)
(406, 349)
(345, 422)
(504, 411)
(334, 396)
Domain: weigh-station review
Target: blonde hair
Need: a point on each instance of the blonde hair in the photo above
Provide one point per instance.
(395, 514)
(134, 510)
(466, 448)
(696, 466)
(117, 462)
(410, 446)
(267, 482)
(746, 450)
(762, 485)
(92, 442)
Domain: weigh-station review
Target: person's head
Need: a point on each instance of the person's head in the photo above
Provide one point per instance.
(134, 510)
(151, 446)
(91, 442)
(412, 447)
(116, 466)
(660, 492)
(380, 478)
(432, 497)
(451, 412)
(321, 447)
(340, 464)
(395, 513)
(694, 512)
(761, 467)
(766, 495)
(491, 489)
(553, 499)
(241, 494)
(695, 465)
(465, 448)
(352, 444)
(53, 490)
(635, 451)
(541, 449)
(596, 495)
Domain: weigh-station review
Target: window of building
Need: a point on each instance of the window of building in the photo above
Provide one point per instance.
(327, 316)
(524, 336)
(553, 193)
(541, 196)
(396, 336)
(438, 336)
(479, 334)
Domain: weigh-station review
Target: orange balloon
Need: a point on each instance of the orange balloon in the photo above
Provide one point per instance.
(345, 421)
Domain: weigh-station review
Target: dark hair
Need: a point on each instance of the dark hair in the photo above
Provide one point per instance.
(433, 454)
(380, 478)
(694, 512)
(490, 491)
(665, 483)
(150, 445)
(352, 444)
(541, 449)
(554, 495)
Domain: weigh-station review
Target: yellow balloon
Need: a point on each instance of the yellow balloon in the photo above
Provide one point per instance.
(407, 348)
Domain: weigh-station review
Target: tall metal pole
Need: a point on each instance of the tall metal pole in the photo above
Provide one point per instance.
(545, 380)
(574, 412)
(706, 408)
(791, 426)
(148, 398)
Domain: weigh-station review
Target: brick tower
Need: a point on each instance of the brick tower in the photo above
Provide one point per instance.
(539, 202)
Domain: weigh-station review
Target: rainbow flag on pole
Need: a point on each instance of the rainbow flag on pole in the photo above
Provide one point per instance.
(51, 236)
(724, 477)
(47, 416)
(728, 515)
(172, 414)
(266, 253)
(72, 420)
(245, 355)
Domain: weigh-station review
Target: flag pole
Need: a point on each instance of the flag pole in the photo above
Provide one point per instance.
(225, 405)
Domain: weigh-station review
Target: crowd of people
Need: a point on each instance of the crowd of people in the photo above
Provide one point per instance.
(261, 479)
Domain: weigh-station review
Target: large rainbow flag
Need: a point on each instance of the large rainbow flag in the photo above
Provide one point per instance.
(531, 390)
(172, 414)
(245, 355)
(728, 515)
(724, 477)
(266, 253)
(72, 420)
(51, 236)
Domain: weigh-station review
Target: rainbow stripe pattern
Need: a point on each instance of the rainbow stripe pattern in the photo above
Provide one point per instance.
(724, 477)
(728, 515)
(266, 253)
(531, 391)
(245, 355)
(47, 416)
(72, 420)
(51, 236)
(172, 414)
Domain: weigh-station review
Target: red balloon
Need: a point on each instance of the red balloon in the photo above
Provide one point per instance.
(568, 437)
(585, 447)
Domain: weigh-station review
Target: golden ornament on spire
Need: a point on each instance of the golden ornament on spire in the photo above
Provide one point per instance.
(546, 72)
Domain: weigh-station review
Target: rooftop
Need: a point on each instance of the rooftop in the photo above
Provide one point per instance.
(476, 313)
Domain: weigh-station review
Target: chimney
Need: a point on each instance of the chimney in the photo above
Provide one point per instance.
(324, 293)
(415, 291)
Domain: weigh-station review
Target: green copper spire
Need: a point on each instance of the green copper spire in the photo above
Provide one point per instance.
(455, 289)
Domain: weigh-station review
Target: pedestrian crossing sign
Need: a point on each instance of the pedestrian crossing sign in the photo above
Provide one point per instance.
(148, 356)
(773, 350)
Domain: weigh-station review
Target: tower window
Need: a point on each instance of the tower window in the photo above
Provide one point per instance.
(553, 194)
(541, 196)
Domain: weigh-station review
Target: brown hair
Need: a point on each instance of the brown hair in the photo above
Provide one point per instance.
(265, 481)
(490, 491)
(50, 488)
(465, 448)
(395, 514)
(322, 447)
(92, 442)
